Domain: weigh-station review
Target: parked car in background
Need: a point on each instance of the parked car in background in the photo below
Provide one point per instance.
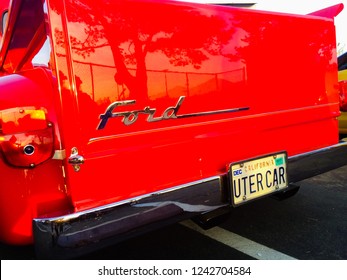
(342, 76)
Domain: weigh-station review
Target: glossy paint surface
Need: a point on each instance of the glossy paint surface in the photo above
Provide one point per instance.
(155, 94)
(32, 184)
(133, 61)
(28, 192)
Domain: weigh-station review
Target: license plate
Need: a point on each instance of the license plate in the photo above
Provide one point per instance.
(258, 177)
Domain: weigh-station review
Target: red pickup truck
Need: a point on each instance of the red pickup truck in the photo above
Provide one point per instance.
(118, 117)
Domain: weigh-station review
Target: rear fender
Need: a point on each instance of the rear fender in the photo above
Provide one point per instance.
(34, 185)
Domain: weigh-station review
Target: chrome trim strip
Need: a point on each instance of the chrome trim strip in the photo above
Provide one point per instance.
(78, 233)
(130, 117)
(82, 232)
(132, 201)
(59, 154)
(273, 114)
(200, 114)
(313, 163)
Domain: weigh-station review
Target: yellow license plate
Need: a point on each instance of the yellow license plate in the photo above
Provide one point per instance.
(258, 177)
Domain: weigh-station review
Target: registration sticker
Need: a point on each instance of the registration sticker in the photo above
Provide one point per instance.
(258, 177)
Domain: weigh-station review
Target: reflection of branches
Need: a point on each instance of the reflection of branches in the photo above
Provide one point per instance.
(82, 48)
(132, 30)
(235, 77)
(178, 57)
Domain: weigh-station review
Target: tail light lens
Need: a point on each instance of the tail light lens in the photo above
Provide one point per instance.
(26, 138)
(343, 95)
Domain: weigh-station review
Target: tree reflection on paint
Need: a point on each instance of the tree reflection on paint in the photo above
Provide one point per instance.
(132, 30)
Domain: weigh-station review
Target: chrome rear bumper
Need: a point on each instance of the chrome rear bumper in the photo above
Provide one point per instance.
(79, 233)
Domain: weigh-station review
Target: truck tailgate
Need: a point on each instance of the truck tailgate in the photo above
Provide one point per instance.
(157, 94)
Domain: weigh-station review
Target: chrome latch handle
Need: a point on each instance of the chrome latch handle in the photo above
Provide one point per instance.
(75, 159)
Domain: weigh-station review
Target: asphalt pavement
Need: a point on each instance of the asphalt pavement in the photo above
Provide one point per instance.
(312, 225)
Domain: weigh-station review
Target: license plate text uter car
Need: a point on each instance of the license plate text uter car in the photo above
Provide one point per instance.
(258, 177)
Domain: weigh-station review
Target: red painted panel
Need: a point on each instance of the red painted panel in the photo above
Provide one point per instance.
(132, 61)
(26, 191)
